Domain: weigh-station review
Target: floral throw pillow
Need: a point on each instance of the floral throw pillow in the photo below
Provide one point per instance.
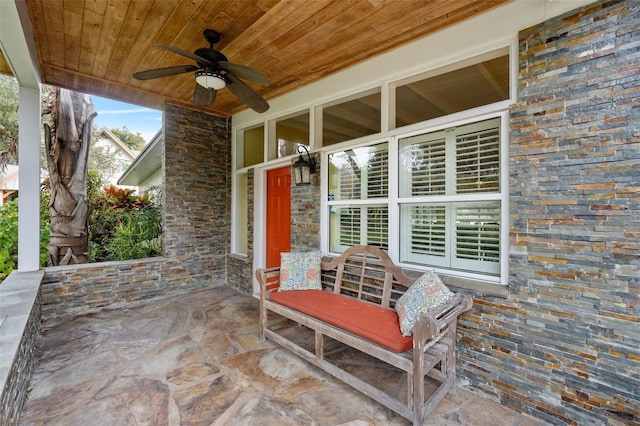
(425, 294)
(300, 271)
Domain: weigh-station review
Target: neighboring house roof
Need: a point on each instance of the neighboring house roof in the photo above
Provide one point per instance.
(146, 163)
(8, 183)
(118, 143)
(9, 178)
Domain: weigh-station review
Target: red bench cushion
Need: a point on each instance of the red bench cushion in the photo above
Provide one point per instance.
(371, 322)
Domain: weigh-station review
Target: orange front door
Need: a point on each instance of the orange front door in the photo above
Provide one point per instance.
(278, 214)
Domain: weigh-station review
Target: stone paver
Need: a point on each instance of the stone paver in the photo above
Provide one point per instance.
(196, 359)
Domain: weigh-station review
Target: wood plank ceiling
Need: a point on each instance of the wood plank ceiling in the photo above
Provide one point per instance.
(95, 46)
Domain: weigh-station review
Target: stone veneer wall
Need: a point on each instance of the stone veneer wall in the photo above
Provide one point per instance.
(564, 346)
(305, 214)
(20, 324)
(196, 227)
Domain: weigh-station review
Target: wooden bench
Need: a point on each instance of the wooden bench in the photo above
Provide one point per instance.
(371, 282)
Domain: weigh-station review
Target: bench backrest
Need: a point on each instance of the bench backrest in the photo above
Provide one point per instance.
(366, 273)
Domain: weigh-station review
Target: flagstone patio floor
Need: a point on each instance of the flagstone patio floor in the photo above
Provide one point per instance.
(196, 359)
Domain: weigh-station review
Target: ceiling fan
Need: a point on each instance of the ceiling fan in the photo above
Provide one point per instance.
(213, 72)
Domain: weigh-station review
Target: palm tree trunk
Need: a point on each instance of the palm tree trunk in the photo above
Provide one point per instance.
(67, 146)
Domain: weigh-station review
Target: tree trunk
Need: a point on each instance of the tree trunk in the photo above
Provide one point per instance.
(67, 146)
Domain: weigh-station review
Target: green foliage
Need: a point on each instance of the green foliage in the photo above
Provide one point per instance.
(8, 237)
(9, 234)
(134, 141)
(94, 185)
(45, 225)
(138, 235)
(8, 120)
(124, 226)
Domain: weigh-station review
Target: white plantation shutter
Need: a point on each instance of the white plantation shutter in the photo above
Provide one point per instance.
(422, 165)
(378, 173)
(360, 225)
(450, 165)
(424, 234)
(477, 236)
(349, 226)
(347, 174)
(377, 226)
(360, 173)
(478, 161)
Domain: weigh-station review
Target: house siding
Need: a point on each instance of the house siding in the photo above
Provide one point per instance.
(196, 224)
(565, 345)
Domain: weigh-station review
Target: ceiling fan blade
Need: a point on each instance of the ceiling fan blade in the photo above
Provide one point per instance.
(246, 94)
(185, 53)
(164, 72)
(203, 97)
(244, 72)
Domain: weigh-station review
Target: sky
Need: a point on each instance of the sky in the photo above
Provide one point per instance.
(115, 115)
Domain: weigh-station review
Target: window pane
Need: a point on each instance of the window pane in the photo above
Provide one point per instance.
(344, 228)
(378, 226)
(290, 133)
(422, 165)
(360, 173)
(423, 234)
(478, 235)
(478, 161)
(353, 225)
(453, 91)
(252, 146)
(241, 217)
(351, 119)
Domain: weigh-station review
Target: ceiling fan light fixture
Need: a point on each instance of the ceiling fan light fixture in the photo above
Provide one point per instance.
(210, 80)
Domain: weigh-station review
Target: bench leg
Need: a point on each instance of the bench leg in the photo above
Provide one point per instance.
(451, 358)
(319, 345)
(263, 322)
(417, 399)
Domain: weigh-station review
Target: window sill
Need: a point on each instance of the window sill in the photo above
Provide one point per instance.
(478, 287)
(481, 288)
(242, 257)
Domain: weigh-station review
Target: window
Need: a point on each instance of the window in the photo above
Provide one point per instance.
(457, 88)
(352, 118)
(448, 196)
(361, 175)
(250, 147)
(289, 133)
(431, 198)
(442, 175)
(241, 216)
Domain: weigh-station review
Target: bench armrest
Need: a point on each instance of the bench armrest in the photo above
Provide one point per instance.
(430, 325)
(269, 279)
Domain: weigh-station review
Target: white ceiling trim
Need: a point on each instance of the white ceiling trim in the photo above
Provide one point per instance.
(17, 43)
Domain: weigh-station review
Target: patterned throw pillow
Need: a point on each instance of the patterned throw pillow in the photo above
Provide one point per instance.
(300, 271)
(425, 294)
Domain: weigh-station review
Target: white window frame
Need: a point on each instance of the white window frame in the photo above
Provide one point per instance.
(394, 200)
(390, 134)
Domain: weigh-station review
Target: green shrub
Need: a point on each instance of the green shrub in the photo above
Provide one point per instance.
(138, 235)
(8, 237)
(124, 226)
(9, 234)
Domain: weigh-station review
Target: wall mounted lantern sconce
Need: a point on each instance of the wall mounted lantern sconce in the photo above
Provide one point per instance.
(302, 169)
